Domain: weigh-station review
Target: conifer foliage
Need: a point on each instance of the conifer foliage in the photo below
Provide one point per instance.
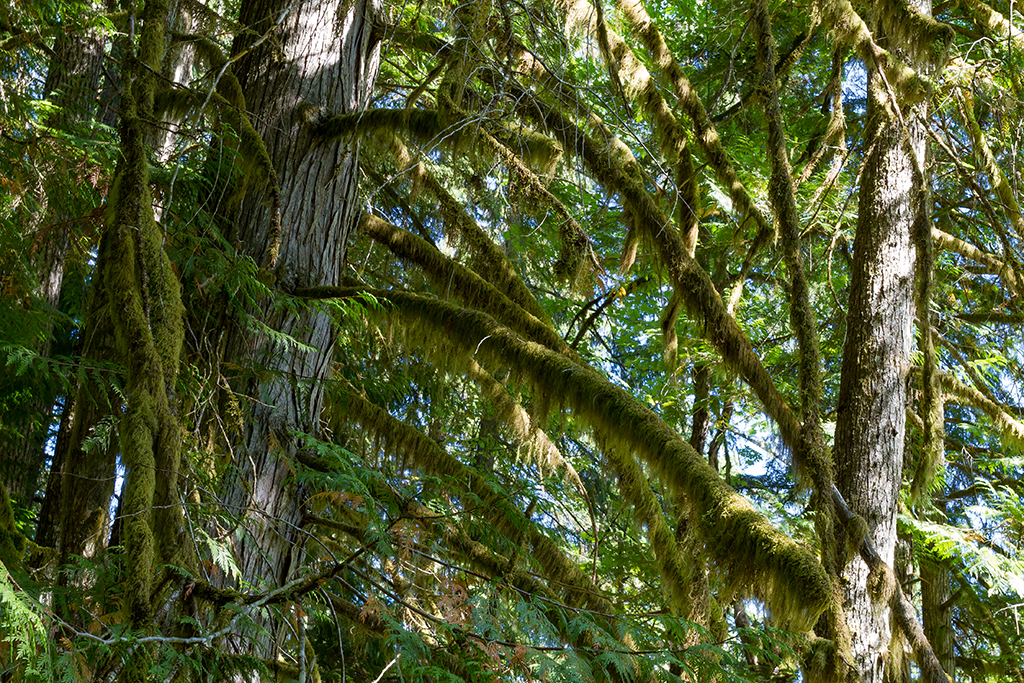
(487, 340)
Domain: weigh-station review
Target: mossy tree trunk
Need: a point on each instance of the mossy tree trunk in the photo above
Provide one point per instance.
(876, 358)
(321, 55)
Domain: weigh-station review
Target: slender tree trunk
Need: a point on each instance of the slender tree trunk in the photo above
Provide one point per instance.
(876, 358)
(322, 54)
(937, 609)
(71, 82)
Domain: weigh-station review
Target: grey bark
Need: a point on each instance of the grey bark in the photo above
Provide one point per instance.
(322, 54)
(872, 398)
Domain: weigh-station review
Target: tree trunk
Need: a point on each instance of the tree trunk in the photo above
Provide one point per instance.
(71, 82)
(876, 357)
(322, 54)
(937, 608)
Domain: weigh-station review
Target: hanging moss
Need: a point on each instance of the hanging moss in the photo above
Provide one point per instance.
(848, 27)
(575, 587)
(741, 542)
(461, 282)
(640, 23)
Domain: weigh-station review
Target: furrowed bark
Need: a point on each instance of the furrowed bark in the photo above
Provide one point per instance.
(322, 56)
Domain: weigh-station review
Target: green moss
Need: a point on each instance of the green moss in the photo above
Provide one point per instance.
(740, 541)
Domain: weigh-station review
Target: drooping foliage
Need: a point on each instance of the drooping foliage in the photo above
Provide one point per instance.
(578, 382)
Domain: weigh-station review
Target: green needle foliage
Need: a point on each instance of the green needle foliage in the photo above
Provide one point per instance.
(510, 341)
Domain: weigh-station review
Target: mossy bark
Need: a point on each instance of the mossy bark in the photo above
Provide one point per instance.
(876, 356)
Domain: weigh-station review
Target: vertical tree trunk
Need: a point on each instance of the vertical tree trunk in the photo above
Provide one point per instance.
(322, 54)
(71, 81)
(937, 610)
(876, 357)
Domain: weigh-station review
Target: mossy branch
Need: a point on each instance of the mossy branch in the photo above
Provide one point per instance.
(783, 198)
(1011, 428)
(1013, 281)
(525, 430)
(226, 94)
(994, 21)
(996, 177)
(849, 28)
(487, 257)
(575, 587)
(641, 24)
(453, 278)
(691, 282)
(932, 446)
(925, 40)
(742, 543)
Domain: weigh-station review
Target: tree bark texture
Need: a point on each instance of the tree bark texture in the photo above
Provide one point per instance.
(321, 54)
(876, 357)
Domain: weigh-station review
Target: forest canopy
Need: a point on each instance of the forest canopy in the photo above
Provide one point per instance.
(503, 340)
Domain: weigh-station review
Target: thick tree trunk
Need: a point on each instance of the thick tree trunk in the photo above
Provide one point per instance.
(322, 54)
(876, 357)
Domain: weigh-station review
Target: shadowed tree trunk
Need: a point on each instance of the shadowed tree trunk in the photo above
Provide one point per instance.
(71, 83)
(937, 610)
(321, 55)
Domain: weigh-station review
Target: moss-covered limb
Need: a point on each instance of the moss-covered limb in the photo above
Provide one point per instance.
(787, 216)
(575, 246)
(849, 28)
(524, 429)
(903, 612)
(574, 586)
(1014, 282)
(226, 93)
(960, 393)
(463, 283)
(486, 256)
(740, 541)
(994, 22)
(470, 29)
(689, 279)
(640, 22)
(707, 137)
(636, 490)
(922, 38)
(932, 446)
(995, 317)
(782, 66)
(996, 177)
(836, 128)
